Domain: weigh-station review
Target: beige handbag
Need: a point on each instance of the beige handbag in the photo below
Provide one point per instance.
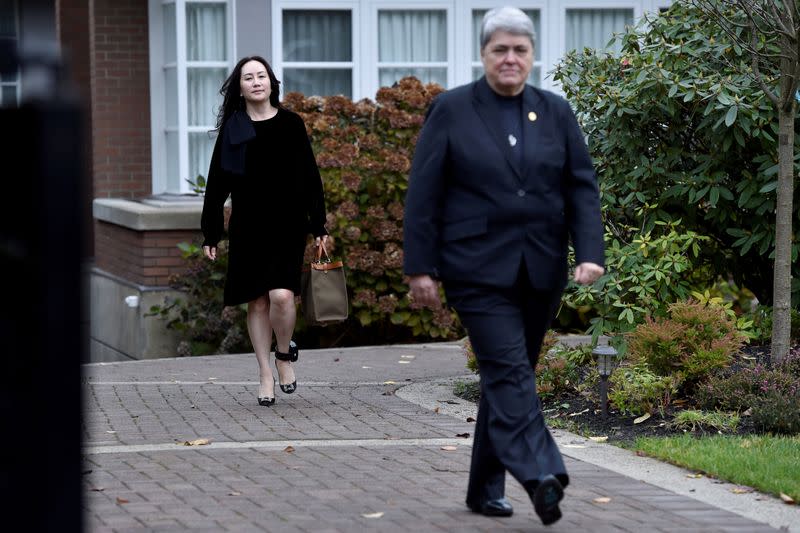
(324, 291)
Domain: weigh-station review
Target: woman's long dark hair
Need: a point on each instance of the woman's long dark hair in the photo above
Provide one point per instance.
(231, 91)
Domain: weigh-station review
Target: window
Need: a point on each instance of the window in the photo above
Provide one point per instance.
(317, 51)
(412, 43)
(9, 29)
(535, 77)
(195, 62)
(594, 28)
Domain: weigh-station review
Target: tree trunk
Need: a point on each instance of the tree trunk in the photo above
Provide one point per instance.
(782, 284)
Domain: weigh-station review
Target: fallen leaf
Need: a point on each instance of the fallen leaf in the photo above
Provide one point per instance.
(234, 493)
(741, 490)
(579, 412)
(787, 499)
(389, 382)
(389, 393)
(640, 453)
(641, 418)
(449, 448)
(336, 360)
(695, 476)
(748, 412)
(211, 379)
(97, 489)
(463, 435)
(602, 499)
(599, 439)
(366, 367)
(470, 419)
(111, 432)
(122, 500)
(372, 515)
(196, 442)
(289, 449)
(435, 409)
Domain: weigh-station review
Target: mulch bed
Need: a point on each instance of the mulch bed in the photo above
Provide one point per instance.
(576, 412)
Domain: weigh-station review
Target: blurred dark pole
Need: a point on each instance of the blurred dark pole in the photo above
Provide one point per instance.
(42, 243)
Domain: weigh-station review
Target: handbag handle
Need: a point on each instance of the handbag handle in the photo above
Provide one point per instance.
(320, 250)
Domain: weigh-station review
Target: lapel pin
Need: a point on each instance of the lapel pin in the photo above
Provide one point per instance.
(532, 116)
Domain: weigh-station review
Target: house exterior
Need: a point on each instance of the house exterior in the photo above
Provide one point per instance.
(150, 71)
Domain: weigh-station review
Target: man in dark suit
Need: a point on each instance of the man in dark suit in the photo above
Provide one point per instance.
(501, 181)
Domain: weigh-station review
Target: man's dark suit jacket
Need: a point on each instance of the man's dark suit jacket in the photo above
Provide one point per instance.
(472, 212)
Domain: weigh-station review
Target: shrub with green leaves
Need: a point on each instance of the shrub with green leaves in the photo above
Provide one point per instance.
(679, 129)
(645, 273)
(692, 342)
(636, 390)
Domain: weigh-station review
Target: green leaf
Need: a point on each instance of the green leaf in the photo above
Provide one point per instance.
(730, 116)
(714, 196)
(769, 187)
(672, 91)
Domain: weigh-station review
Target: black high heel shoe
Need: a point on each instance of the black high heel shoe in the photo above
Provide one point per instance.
(291, 356)
(266, 400)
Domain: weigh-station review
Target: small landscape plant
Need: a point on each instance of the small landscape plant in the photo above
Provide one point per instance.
(636, 390)
(689, 344)
(693, 420)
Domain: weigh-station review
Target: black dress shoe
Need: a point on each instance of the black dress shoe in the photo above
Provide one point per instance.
(545, 497)
(266, 400)
(498, 507)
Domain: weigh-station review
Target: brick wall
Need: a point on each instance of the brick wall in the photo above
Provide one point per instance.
(121, 163)
(143, 257)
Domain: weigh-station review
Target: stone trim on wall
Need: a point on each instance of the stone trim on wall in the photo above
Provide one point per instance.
(138, 242)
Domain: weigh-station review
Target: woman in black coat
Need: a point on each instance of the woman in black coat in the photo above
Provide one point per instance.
(263, 159)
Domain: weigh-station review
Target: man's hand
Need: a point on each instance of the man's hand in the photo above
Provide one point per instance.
(588, 273)
(210, 252)
(424, 291)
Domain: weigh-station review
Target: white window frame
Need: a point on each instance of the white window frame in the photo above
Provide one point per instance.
(278, 64)
(558, 20)
(370, 57)
(15, 84)
(159, 128)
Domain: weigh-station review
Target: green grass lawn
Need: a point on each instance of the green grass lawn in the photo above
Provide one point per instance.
(768, 464)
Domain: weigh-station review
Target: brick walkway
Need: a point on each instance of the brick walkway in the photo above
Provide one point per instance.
(344, 453)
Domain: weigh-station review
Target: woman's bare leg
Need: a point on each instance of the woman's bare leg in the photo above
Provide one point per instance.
(282, 316)
(260, 329)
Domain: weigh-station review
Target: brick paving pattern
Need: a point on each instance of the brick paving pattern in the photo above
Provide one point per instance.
(323, 483)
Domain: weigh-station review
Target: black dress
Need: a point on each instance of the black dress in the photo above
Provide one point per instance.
(276, 201)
